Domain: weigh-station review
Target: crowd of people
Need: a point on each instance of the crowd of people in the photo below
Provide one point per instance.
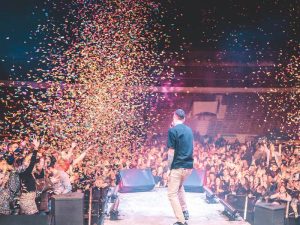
(31, 171)
(262, 170)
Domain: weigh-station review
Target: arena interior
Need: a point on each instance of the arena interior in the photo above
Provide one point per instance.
(88, 92)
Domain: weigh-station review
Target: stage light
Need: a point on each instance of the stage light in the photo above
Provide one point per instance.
(211, 198)
(230, 211)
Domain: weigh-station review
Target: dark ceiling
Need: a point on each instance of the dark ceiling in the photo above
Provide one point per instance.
(231, 25)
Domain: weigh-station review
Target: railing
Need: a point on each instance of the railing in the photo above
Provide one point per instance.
(95, 203)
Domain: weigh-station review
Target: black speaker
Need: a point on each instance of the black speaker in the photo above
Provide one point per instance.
(136, 180)
(24, 220)
(268, 214)
(68, 209)
(195, 182)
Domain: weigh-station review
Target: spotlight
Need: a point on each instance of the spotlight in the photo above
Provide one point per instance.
(230, 211)
(211, 198)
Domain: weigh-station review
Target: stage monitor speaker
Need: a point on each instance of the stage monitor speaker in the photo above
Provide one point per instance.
(24, 220)
(68, 209)
(267, 213)
(136, 180)
(195, 182)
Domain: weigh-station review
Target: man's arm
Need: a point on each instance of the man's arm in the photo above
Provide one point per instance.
(171, 146)
(170, 156)
(36, 145)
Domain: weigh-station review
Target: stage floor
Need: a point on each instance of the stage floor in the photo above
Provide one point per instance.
(153, 208)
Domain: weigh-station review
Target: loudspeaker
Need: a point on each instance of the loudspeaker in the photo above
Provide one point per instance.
(136, 180)
(195, 182)
(24, 220)
(267, 213)
(68, 209)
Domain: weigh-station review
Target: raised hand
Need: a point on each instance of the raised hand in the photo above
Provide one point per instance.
(74, 144)
(36, 143)
(92, 147)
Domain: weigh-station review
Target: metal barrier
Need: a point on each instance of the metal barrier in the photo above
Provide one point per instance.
(95, 203)
(240, 205)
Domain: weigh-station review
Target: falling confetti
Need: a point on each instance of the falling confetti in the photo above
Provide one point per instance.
(95, 66)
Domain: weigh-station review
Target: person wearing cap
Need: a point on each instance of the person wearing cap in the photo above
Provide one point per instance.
(180, 156)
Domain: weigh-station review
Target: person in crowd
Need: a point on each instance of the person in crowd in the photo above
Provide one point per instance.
(157, 178)
(220, 188)
(243, 186)
(60, 180)
(293, 189)
(5, 196)
(258, 167)
(272, 184)
(281, 195)
(28, 184)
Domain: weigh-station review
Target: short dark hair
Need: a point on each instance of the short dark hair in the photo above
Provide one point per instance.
(180, 113)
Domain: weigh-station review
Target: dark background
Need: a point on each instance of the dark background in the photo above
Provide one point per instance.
(231, 25)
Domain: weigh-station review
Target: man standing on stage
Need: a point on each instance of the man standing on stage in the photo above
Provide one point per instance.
(180, 156)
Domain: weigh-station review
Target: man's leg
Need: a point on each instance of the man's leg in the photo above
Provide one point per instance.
(181, 193)
(175, 181)
(181, 196)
